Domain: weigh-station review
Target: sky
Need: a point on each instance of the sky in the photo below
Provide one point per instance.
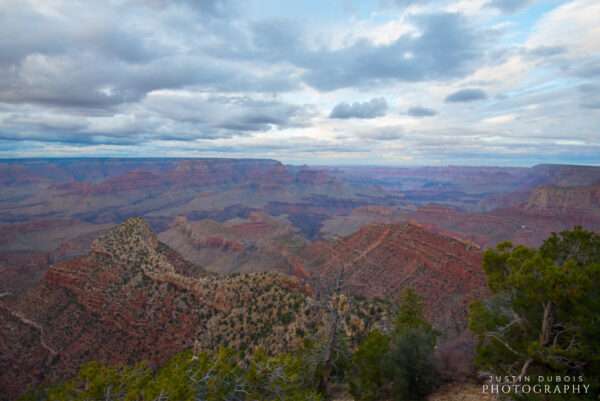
(336, 82)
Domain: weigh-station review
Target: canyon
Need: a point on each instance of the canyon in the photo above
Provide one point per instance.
(122, 260)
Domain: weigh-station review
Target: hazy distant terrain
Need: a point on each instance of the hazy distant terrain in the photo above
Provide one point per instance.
(246, 214)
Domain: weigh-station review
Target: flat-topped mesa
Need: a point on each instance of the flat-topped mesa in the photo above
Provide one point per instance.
(563, 175)
(565, 199)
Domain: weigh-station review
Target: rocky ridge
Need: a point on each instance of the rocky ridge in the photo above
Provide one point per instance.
(132, 298)
(380, 261)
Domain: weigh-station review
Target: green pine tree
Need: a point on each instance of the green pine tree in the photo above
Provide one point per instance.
(543, 317)
(399, 365)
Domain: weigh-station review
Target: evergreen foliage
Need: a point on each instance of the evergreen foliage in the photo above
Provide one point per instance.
(367, 379)
(220, 376)
(543, 317)
(399, 365)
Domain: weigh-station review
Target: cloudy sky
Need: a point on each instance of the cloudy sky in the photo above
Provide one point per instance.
(391, 82)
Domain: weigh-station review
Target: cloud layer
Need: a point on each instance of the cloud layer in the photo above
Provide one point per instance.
(394, 82)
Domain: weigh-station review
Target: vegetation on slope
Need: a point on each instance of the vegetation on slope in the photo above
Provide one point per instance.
(541, 320)
(404, 370)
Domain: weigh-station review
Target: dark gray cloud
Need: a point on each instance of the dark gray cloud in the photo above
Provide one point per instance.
(223, 116)
(74, 130)
(509, 6)
(589, 88)
(213, 8)
(583, 66)
(363, 137)
(67, 136)
(100, 57)
(53, 36)
(277, 39)
(373, 108)
(447, 47)
(90, 58)
(85, 81)
(164, 117)
(466, 95)
(419, 111)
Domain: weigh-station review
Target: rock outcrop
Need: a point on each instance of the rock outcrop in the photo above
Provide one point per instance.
(565, 200)
(257, 243)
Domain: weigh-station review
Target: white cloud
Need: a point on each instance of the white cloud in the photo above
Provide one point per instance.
(574, 25)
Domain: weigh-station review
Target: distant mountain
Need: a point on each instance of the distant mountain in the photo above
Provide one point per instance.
(110, 190)
(517, 224)
(54, 208)
(96, 170)
(469, 188)
(562, 175)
